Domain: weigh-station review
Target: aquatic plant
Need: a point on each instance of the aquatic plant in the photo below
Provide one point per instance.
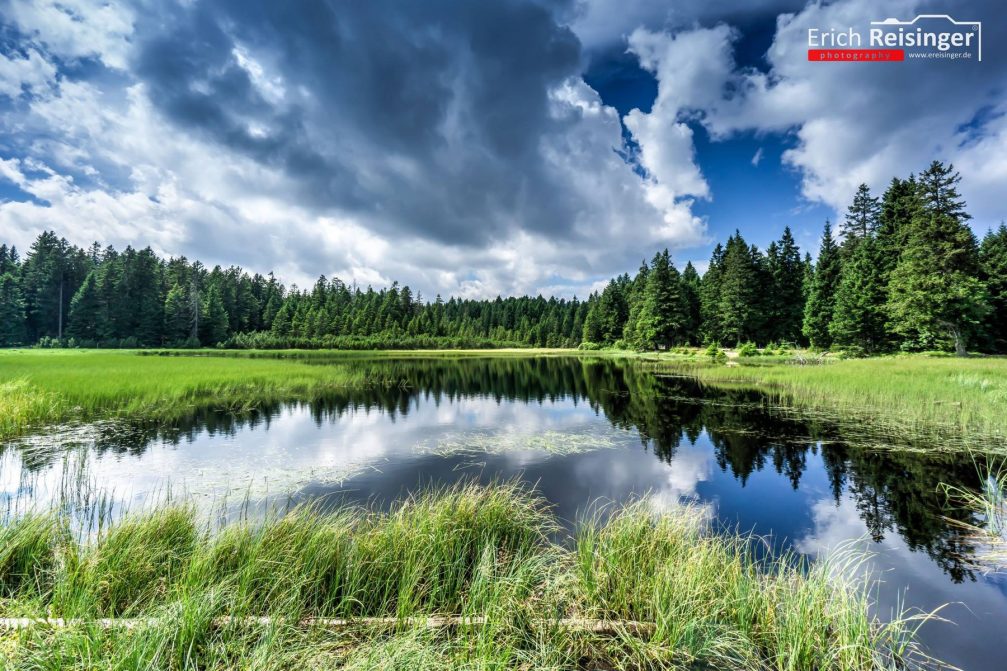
(468, 576)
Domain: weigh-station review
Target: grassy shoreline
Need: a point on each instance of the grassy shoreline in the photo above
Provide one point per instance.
(483, 554)
(959, 403)
(956, 403)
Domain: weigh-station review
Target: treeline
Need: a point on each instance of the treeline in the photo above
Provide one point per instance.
(63, 295)
(907, 274)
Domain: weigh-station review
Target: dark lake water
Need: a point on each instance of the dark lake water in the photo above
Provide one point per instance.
(583, 431)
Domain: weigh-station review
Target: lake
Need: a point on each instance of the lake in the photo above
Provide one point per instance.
(588, 433)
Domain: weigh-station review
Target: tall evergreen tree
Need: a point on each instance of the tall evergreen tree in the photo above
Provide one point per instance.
(46, 287)
(636, 295)
(993, 260)
(785, 299)
(12, 314)
(861, 216)
(213, 318)
(822, 298)
(935, 296)
(858, 317)
(709, 298)
(738, 308)
(177, 316)
(691, 286)
(86, 310)
(663, 313)
(898, 207)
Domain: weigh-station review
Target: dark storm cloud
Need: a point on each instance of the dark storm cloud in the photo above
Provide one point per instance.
(429, 115)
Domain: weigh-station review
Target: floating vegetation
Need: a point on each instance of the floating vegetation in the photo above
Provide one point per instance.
(551, 442)
(988, 506)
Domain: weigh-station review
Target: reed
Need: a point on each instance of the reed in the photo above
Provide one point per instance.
(951, 402)
(513, 592)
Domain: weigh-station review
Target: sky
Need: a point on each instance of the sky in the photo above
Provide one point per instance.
(471, 148)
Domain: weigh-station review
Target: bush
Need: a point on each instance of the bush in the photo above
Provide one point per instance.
(590, 346)
(748, 349)
(715, 354)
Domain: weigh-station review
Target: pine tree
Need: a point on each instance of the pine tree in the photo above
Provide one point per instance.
(612, 311)
(738, 308)
(691, 285)
(177, 316)
(635, 300)
(663, 312)
(785, 299)
(821, 300)
(213, 318)
(898, 207)
(592, 324)
(86, 311)
(858, 318)
(993, 259)
(45, 286)
(861, 217)
(709, 298)
(12, 314)
(936, 298)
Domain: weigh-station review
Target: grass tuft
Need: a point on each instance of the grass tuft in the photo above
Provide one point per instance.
(677, 595)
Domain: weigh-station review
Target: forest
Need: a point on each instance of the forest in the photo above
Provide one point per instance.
(904, 273)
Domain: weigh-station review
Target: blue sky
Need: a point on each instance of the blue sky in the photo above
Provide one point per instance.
(475, 149)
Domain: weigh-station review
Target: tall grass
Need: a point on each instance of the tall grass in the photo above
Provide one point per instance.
(39, 387)
(959, 403)
(677, 595)
(989, 508)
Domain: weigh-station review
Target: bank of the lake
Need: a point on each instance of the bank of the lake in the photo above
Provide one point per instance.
(953, 403)
(646, 588)
(960, 402)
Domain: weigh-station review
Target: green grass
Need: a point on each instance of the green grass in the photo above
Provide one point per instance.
(486, 553)
(951, 402)
(988, 505)
(41, 387)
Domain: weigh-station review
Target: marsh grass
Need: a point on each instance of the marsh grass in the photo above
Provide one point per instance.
(43, 387)
(988, 506)
(481, 552)
(951, 403)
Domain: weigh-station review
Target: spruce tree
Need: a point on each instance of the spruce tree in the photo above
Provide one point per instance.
(898, 207)
(213, 318)
(785, 299)
(663, 312)
(858, 318)
(709, 298)
(12, 315)
(993, 259)
(936, 298)
(592, 324)
(177, 316)
(691, 286)
(636, 295)
(86, 311)
(861, 216)
(738, 308)
(821, 299)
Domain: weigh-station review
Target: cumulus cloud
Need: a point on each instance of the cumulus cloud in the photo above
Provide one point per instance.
(853, 122)
(442, 144)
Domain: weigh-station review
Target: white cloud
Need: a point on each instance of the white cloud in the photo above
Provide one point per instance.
(757, 157)
(853, 122)
(76, 28)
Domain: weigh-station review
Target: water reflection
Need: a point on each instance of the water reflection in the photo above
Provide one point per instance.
(577, 428)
